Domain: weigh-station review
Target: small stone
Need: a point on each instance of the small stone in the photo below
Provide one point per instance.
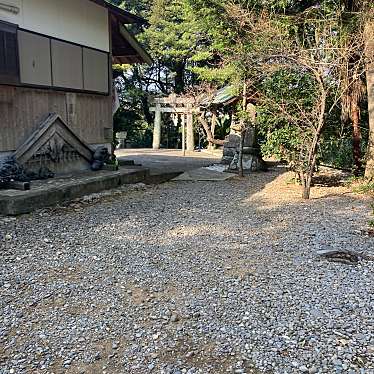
(370, 349)
(81, 284)
(174, 318)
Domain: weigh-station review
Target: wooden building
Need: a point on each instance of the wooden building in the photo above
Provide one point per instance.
(56, 93)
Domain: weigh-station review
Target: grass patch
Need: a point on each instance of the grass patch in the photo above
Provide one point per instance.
(360, 185)
(371, 222)
(365, 188)
(351, 181)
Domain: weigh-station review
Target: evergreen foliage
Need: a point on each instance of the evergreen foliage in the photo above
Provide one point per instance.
(211, 43)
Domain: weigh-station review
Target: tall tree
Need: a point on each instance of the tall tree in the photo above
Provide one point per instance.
(369, 35)
(217, 42)
(353, 82)
(302, 38)
(172, 37)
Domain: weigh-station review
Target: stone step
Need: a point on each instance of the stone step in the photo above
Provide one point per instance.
(122, 162)
(58, 190)
(161, 177)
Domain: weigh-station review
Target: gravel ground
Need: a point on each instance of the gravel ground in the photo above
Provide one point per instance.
(189, 278)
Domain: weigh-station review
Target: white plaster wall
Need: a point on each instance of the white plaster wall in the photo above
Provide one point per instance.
(8, 16)
(79, 21)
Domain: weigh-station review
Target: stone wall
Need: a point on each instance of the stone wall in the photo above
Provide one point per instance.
(252, 159)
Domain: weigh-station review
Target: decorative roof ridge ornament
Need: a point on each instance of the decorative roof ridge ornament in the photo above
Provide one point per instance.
(9, 8)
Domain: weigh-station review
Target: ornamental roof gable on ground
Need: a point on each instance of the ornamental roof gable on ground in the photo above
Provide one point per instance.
(53, 140)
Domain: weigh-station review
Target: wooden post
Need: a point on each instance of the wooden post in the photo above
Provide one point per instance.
(213, 128)
(190, 132)
(157, 127)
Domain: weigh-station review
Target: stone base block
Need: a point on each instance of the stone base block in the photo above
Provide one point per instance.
(55, 191)
(250, 163)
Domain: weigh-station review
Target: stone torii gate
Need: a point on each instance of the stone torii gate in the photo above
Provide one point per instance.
(180, 108)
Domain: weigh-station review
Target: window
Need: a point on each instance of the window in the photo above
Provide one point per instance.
(9, 70)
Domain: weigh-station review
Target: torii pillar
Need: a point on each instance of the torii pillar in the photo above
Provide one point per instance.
(157, 127)
(190, 132)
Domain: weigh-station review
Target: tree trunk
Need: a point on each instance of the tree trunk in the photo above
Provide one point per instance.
(312, 157)
(356, 138)
(179, 77)
(369, 34)
(209, 132)
(240, 160)
(213, 128)
(147, 114)
(242, 132)
(307, 182)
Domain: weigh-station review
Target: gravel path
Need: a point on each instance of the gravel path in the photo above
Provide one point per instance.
(189, 278)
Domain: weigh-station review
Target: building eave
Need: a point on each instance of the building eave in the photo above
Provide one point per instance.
(141, 52)
(124, 16)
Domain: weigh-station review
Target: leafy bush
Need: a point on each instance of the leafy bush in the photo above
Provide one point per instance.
(337, 152)
(289, 93)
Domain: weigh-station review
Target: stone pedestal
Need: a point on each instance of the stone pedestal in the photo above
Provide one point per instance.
(252, 159)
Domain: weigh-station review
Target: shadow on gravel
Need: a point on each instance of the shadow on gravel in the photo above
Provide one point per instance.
(231, 261)
(161, 163)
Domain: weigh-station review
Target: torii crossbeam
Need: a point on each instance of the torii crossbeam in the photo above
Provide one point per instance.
(182, 109)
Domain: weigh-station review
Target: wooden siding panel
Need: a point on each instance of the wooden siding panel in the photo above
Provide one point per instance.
(7, 116)
(57, 104)
(22, 109)
(95, 112)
